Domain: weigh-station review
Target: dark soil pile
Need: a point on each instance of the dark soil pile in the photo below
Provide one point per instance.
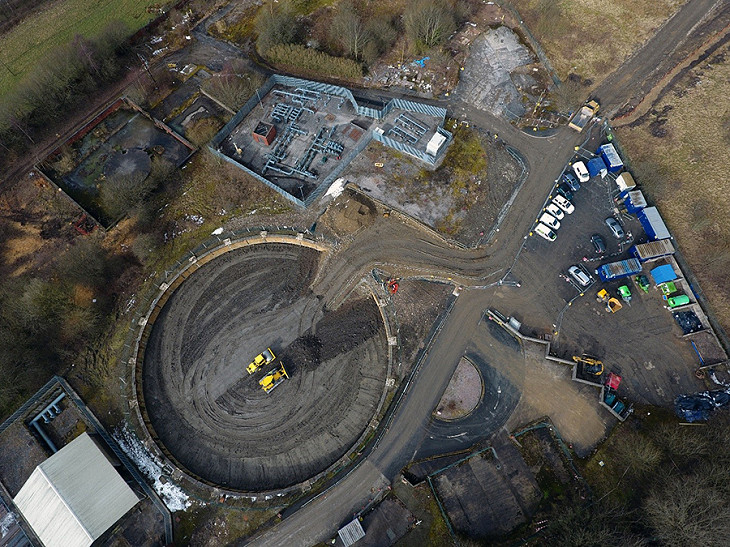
(337, 332)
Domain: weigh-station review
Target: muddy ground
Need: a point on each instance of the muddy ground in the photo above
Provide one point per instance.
(215, 418)
(464, 211)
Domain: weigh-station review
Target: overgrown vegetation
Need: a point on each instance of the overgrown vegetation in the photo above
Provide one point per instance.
(53, 319)
(234, 84)
(590, 38)
(303, 60)
(677, 154)
(654, 480)
(319, 31)
(69, 75)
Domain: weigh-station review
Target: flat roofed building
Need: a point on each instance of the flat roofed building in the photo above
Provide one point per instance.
(74, 496)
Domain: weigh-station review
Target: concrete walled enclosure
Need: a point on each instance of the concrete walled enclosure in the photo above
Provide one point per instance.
(319, 129)
(213, 420)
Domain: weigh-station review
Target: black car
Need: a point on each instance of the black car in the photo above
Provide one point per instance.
(571, 181)
(565, 191)
(598, 244)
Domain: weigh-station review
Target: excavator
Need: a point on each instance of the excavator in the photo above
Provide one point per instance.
(273, 378)
(590, 365)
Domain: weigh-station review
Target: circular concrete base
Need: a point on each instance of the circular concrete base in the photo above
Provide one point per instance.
(214, 418)
(463, 393)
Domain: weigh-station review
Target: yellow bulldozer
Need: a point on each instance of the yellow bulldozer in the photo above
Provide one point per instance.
(273, 378)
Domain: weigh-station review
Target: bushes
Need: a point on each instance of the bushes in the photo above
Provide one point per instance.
(298, 58)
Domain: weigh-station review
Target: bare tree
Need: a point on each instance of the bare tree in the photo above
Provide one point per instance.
(275, 24)
(349, 30)
(689, 510)
(428, 23)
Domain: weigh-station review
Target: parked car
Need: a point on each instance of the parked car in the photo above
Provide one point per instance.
(598, 244)
(581, 171)
(564, 190)
(571, 181)
(580, 276)
(545, 232)
(564, 204)
(550, 221)
(615, 227)
(554, 210)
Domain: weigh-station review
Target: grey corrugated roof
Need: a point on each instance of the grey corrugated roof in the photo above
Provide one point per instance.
(74, 496)
(351, 532)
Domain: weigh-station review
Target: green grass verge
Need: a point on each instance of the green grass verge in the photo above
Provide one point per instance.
(24, 46)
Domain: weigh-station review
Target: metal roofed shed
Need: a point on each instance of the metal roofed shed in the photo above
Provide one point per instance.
(662, 274)
(351, 532)
(435, 144)
(610, 157)
(634, 201)
(625, 181)
(653, 224)
(74, 496)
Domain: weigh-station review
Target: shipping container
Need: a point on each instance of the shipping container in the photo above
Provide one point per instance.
(617, 270)
(653, 249)
(653, 224)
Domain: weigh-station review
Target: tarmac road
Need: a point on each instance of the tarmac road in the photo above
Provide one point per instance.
(390, 243)
(634, 75)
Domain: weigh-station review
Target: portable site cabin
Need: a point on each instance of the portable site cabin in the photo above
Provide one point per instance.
(653, 224)
(625, 182)
(610, 157)
(634, 201)
(596, 166)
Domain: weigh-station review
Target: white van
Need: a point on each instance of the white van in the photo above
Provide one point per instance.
(545, 232)
(550, 221)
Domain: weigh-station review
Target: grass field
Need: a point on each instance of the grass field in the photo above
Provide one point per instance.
(27, 43)
(591, 37)
(679, 156)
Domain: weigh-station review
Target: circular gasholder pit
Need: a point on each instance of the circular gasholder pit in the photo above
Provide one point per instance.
(214, 418)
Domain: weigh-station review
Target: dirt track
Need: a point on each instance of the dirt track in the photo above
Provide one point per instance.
(214, 418)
